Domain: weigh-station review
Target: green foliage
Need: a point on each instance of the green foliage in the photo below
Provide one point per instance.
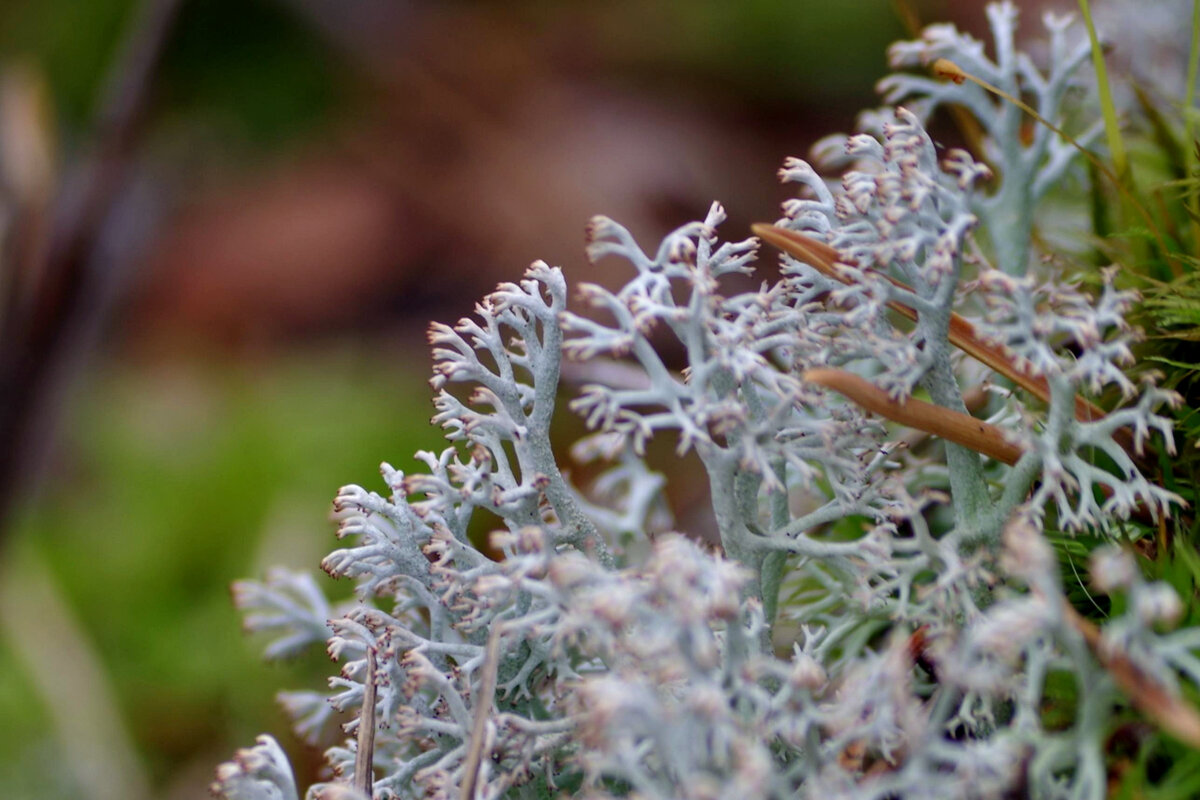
(1174, 309)
(172, 476)
(245, 67)
(253, 70)
(775, 53)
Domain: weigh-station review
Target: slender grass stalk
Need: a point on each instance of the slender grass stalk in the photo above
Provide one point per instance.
(909, 17)
(1112, 129)
(948, 70)
(1189, 131)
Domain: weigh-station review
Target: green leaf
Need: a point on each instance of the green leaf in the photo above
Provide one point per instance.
(1172, 362)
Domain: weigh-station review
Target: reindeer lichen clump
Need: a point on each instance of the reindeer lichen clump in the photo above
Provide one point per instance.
(882, 620)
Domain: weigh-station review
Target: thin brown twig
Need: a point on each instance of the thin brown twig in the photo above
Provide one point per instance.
(483, 707)
(1166, 709)
(43, 333)
(954, 426)
(961, 333)
(364, 756)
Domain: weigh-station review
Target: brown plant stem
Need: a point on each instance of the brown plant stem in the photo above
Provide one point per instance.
(1168, 711)
(962, 333)
(953, 426)
(364, 756)
(48, 325)
(483, 706)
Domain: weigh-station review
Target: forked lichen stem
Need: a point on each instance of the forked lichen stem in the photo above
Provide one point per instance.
(948, 70)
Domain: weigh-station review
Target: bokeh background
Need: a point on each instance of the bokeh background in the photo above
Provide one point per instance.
(224, 228)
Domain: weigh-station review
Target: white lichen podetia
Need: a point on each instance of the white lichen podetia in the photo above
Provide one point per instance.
(910, 590)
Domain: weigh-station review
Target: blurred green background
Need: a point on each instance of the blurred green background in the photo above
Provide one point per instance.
(327, 178)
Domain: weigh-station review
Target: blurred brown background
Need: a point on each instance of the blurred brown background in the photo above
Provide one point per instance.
(226, 225)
